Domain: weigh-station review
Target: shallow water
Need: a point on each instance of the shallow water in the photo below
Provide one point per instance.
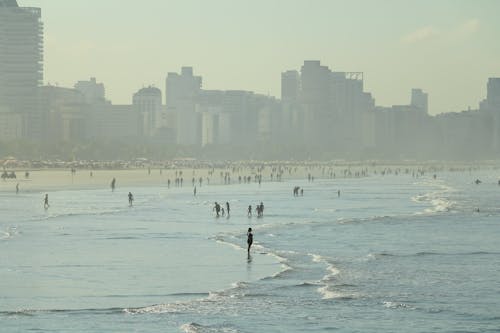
(392, 253)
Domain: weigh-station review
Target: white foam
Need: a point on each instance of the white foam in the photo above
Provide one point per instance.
(439, 205)
(329, 266)
(190, 328)
(197, 328)
(8, 234)
(329, 294)
(396, 305)
(159, 308)
(5, 235)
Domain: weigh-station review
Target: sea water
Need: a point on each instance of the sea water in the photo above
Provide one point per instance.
(390, 254)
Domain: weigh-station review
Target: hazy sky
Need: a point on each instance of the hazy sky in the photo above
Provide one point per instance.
(448, 47)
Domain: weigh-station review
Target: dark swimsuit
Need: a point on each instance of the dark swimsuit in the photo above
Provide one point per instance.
(250, 238)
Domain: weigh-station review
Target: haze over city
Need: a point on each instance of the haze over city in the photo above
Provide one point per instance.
(448, 48)
(238, 80)
(249, 166)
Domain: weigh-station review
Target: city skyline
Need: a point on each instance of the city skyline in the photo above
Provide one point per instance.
(448, 51)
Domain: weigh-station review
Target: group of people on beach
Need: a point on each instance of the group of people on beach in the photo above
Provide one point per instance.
(259, 209)
(296, 191)
(219, 210)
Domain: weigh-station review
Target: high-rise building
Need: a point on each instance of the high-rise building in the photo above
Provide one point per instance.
(493, 96)
(290, 86)
(182, 91)
(325, 108)
(147, 103)
(182, 87)
(21, 64)
(66, 113)
(491, 106)
(93, 92)
(419, 100)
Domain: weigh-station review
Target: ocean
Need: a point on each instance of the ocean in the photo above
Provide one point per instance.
(392, 253)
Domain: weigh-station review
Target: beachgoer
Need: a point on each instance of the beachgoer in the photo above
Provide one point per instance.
(249, 212)
(261, 209)
(113, 184)
(46, 201)
(17, 188)
(217, 209)
(130, 198)
(194, 191)
(249, 239)
(227, 208)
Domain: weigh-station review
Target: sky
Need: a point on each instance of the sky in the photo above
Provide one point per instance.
(449, 48)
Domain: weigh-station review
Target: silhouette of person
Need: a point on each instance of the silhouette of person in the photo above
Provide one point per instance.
(249, 212)
(130, 198)
(46, 201)
(17, 188)
(249, 239)
(113, 184)
(194, 191)
(227, 208)
(217, 209)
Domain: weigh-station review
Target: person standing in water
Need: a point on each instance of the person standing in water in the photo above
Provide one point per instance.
(249, 239)
(227, 208)
(249, 212)
(194, 191)
(217, 209)
(17, 188)
(113, 184)
(130, 199)
(46, 201)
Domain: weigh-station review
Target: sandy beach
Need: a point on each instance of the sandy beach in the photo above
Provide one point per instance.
(47, 179)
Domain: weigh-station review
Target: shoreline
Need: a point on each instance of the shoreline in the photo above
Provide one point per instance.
(199, 175)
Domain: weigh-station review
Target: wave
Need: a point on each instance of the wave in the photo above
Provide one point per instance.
(261, 249)
(34, 312)
(397, 305)
(9, 233)
(429, 253)
(52, 216)
(331, 269)
(327, 290)
(198, 328)
(327, 294)
(437, 199)
(440, 205)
